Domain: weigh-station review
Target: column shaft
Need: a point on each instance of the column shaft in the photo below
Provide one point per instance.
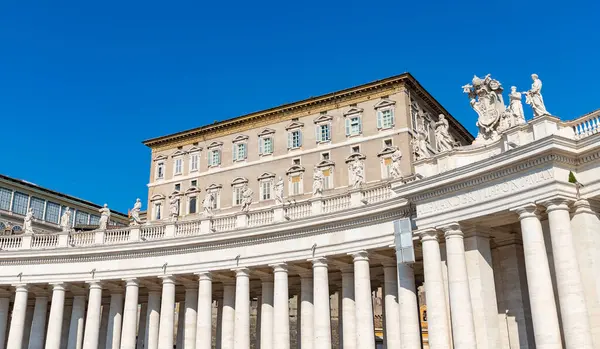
(322, 317)
(167, 314)
(152, 320)
(55, 321)
(124, 316)
(242, 309)
(392, 312)
(76, 327)
(410, 329)
(38, 325)
(4, 306)
(539, 282)
(142, 326)
(461, 310)
(203, 324)
(180, 325)
(348, 310)
(103, 326)
(365, 332)
(437, 316)
(92, 320)
(17, 323)
(281, 315)
(571, 297)
(228, 316)
(266, 315)
(190, 318)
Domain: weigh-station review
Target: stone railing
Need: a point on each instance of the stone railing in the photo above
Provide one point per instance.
(161, 230)
(586, 125)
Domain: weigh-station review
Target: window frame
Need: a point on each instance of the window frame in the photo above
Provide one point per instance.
(160, 170)
(194, 160)
(178, 165)
(353, 113)
(189, 206)
(24, 206)
(215, 148)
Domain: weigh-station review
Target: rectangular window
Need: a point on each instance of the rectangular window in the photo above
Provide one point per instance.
(237, 196)
(328, 182)
(194, 183)
(193, 202)
(81, 218)
(295, 139)
(355, 149)
(323, 133)
(239, 152)
(385, 118)
(214, 157)
(52, 212)
(353, 125)
(37, 205)
(194, 162)
(324, 156)
(157, 211)
(296, 161)
(265, 145)
(265, 190)
(177, 187)
(178, 169)
(20, 203)
(160, 170)
(94, 220)
(387, 143)
(296, 185)
(5, 195)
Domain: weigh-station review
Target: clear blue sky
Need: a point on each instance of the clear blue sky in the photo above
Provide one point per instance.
(83, 83)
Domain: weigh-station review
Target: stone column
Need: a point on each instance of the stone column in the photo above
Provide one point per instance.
(167, 313)
(458, 286)
(322, 318)
(180, 325)
(4, 306)
(541, 294)
(281, 315)
(190, 317)
(571, 297)
(92, 320)
(437, 316)
(348, 309)
(103, 326)
(76, 325)
(410, 327)
(242, 309)
(17, 323)
(126, 314)
(219, 322)
(55, 320)
(140, 344)
(482, 288)
(365, 332)
(203, 335)
(307, 313)
(266, 315)
(38, 325)
(228, 316)
(152, 320)
(391, 311)
(64, 335)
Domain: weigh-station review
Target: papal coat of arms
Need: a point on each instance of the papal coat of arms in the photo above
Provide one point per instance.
(485, 96)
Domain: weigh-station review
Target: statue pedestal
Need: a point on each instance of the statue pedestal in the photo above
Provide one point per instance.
(134, 234)
(316, 207)
(544, 126)
(99, 237)
(242, 220)
(170, 230)
(205, 226)
(278, 214)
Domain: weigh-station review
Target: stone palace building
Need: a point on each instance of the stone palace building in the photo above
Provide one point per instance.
(473, 242)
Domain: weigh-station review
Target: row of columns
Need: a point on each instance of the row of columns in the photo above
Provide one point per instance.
(117, 328)
(458, 328)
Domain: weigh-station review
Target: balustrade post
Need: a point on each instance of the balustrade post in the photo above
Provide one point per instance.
(278, 214)
(26, 241)
(356, 197)
(241, 220)
(134, 234)
(170, 230)
(205, 226)
(63, 239)
(99, 237)
(316, 207)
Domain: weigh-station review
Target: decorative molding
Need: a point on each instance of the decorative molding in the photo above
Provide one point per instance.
(355, 156)
(240, 138)
(387, 151)
(294, 125)
(214, 187)
(323, 118)
(266, 132)
(266, 175)
(157, 197)
(239, 181)
(177, 153)
(353, 111)
(214, 145)
(385, 102)
(160, 157)
(294, 169)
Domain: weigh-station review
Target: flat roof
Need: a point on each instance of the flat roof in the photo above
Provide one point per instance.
(55, 193)
(406, 78)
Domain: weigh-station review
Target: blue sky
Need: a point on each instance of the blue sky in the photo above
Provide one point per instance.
(83, 83)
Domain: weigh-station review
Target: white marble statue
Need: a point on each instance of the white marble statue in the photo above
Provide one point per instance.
(443, 139)
(533, 97)
(28, 221)
(279, 191)
(357, 173)
(65, 220)
(396, 172)
(135, 213)
(246, 198)
(318, 179)
(419, 144)
(485, 97)
(515, 107)
(174, 207)
(104, 217)
(208, 204)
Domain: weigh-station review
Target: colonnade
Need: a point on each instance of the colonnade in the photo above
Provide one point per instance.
(116, 326)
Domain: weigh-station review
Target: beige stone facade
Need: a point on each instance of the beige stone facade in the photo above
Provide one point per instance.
(181, 162)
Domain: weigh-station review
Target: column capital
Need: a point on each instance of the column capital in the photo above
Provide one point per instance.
(241, 272)
(94, 284)
(167, 279)
(451, 230)
(132, 282)
(58, 286)
(279, 267)
(319, 262)
(427, 234)
(204, 276)
(556, 203)
(21, 287)
(526, 211)
(359, 255)
(476, 230)
(582, 206)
